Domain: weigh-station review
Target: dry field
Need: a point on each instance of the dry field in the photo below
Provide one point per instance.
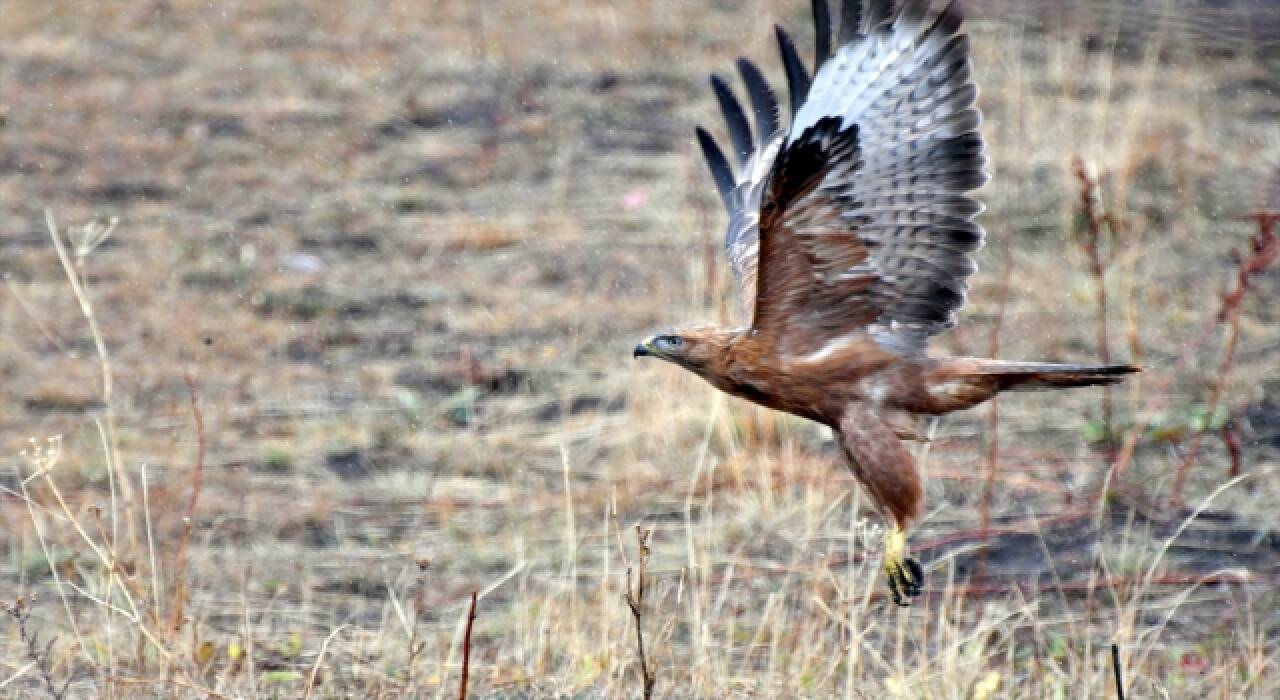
(359, 343)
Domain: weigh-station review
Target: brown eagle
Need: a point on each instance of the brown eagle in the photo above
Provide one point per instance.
(850, 236)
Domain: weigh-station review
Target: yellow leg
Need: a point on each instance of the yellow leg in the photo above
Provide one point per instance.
(906, 578)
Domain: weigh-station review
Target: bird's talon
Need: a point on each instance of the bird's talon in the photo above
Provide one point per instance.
(898, 600)
(916, 573)
(906, 576)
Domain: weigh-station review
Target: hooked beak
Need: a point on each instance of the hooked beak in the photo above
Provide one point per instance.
(643, 350)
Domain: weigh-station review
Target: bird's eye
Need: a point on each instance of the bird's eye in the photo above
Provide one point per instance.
(670, 341)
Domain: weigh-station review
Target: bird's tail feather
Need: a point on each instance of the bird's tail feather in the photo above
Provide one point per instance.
(961, 383)
(1028, 376)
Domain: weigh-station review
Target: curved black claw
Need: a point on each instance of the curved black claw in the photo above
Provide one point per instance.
(906, 580)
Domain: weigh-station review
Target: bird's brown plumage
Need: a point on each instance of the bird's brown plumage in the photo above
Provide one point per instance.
(850, 236)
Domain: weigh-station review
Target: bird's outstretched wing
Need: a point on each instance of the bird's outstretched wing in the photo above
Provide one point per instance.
(742, 185)
(857, 218)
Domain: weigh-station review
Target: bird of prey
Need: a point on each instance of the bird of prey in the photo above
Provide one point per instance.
(850, 236)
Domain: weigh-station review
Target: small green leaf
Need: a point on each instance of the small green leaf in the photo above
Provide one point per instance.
(1093, 431)
(278, 677)
(1058, 649)
(295, 644)
(204, 655)
(1219, 418)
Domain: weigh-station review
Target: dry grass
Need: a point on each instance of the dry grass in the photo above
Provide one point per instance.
(358, 346)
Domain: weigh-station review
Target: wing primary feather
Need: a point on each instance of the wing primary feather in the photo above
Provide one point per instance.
(797, 76)
(763, 100)
(807, 160)
(822, 33)
(850, 20)
(718, 165)
(735, 118)
(878, 13)
(948, 21)
(912, 14)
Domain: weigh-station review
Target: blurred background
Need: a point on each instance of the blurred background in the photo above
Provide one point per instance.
(316, 317)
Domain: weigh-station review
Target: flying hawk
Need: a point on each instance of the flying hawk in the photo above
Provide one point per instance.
(850, 237)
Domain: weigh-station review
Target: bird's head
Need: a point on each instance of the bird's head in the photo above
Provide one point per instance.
(698, 347)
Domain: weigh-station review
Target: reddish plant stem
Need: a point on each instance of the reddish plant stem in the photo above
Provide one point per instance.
(1089, 238)
(466, 649)
(1232, 443)
(1263, 250)
(1215, 395)
(1266, 223)
(635, 601)
(197, 478)
(1104, 348)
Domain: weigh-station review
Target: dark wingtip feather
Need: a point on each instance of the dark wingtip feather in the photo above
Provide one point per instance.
(851, 20)
(878, 13)
(949, 20)
(913, 15)
(797, 76)
(718, 165)
(822, 33)
(763, 100)
(735, 118)
(807, 158)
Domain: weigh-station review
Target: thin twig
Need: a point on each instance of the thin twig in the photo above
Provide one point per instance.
(95, 236)
(1117, 670)
(415, 645)
(466, 649)
(43, 459)
(197, 477)
(1155, 399)
(635, 599)
(1232, 442)
(1264, 247)
(315, 668)
(20, 611)
(1089, 237)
